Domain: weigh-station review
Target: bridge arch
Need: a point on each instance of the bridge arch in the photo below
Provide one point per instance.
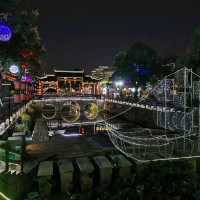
(91, 111)
(70, 112)
(48, 111)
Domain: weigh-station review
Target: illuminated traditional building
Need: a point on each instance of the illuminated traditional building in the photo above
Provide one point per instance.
(22, 88)
(67, 82)
(6, 76)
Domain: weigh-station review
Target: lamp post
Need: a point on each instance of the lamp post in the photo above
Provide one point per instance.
(119, 85)
(9, 100)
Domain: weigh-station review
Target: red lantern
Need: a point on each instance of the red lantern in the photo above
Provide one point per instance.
(17, 98)
(26, 53)
(22, 97)
(17, 85)
(23, 86)
(26, 97)
(30, 97)
(82, 131)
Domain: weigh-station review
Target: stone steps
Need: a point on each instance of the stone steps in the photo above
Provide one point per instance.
(82, 174)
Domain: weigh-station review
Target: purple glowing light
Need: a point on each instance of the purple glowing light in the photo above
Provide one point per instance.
(5, 33)
(27, 78)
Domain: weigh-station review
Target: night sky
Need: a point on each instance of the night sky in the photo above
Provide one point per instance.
(79, 34)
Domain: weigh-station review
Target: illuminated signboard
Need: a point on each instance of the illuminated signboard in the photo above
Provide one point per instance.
(5, 33)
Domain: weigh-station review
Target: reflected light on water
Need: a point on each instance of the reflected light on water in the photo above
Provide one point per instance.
(71, 135)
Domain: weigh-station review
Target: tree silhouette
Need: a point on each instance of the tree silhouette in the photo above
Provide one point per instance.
(137, 64)
(25, 46)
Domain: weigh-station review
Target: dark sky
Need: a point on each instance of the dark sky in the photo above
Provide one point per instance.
(85, 34)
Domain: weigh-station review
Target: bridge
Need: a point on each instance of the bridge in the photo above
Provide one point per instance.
(169, 118)
(70, 111)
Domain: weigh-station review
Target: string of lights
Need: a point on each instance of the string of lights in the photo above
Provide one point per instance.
(183, 123)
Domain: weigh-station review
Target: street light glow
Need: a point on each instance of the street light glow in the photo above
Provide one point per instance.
(119, 83)
(133, 89)
(104, 91)
(14, 69)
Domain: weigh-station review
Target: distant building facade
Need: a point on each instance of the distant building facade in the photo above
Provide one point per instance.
(67, 82)
(102, 72)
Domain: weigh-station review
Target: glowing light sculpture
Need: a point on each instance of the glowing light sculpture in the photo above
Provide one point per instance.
(176, 115)
(5, 33)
